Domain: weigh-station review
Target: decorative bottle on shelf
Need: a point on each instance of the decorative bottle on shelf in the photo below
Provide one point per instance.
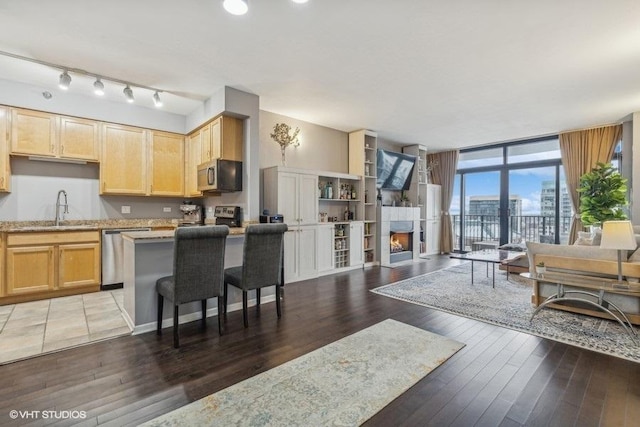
(353, 192)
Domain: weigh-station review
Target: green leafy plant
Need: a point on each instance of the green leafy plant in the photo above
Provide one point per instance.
(603, 193)
(540, 264)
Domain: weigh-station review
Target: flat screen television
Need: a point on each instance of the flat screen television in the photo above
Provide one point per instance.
(394, 170)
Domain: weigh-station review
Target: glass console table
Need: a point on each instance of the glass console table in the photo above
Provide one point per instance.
(587, 286)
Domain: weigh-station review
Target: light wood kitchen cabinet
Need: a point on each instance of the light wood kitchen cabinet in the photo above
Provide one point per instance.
(5, 170)
(79, 139)
(44, 134)
(33, 132)
(79, 265)
(223, 139)
(166, 164)
(49, 264)
(193, 156)
(123, 164)
(22, 274)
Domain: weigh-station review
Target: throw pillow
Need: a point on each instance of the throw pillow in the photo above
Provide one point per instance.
(584, 239)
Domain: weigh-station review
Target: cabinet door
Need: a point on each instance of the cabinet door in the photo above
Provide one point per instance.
(166, 164)
(231, 139)
(215, 139)
(290, 256)
(308, 200)
(432, 238)
(5, 177)
(356, 243)
(33, 132)
(307, 252)
(288, 197)
(433, 202)
(23, 277)
(206, 143)
(79, 265)
(325, 247)
(123, 166)
(79, 139)
(193, 154)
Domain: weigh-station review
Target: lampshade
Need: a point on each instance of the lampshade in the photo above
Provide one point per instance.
(618, 235)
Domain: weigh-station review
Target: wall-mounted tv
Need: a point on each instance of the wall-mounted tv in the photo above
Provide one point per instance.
(394, 170)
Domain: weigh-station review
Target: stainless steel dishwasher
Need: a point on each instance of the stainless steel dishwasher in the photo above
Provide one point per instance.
(113, 256)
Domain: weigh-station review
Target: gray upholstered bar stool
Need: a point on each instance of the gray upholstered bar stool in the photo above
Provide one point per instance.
(262, 264)
(198, 269)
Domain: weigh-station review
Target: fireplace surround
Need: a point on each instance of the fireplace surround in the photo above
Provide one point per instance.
(402, 227)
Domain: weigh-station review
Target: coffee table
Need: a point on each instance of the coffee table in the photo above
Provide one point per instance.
(490, 256)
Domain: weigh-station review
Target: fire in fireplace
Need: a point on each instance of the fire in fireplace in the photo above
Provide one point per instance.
(401, 246)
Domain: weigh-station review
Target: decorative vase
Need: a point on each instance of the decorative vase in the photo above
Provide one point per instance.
(282, 150)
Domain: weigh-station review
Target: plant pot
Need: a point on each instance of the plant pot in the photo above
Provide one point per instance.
(540, 270)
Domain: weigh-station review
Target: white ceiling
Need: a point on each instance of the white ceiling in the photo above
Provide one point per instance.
(440, 73)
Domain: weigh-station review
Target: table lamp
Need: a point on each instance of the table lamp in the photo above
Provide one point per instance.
(618, 235)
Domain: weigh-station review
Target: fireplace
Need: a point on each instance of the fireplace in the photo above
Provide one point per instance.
(398, 228)
(400, 241)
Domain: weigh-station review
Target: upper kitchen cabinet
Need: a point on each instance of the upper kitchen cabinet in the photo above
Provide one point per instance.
(123, 166)
(5, 173)
(79, 139)
(44, 134)
(193, 157)
(34, 132)
(222, 138)
(166, 164)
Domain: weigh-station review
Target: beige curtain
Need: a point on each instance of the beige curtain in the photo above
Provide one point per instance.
(581, 151)
(443, 172)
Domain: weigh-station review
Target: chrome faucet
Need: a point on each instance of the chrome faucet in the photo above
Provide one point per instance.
(58, 205)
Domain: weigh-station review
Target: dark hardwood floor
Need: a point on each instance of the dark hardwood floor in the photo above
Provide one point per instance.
(500, 378)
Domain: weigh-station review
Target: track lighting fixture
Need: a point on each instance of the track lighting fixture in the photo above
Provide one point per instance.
(65, 80)
(128, 93)
(98, 87)
(236, 7)
(156, 100)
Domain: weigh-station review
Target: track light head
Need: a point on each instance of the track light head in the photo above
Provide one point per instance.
(128, 93)
(65, 80)
(98, 87)
(236, 7)
(156, 100)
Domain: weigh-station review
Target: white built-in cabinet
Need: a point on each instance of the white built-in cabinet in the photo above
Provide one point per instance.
(300, 253)
(325, 247)
(433, 218)
(356, 243)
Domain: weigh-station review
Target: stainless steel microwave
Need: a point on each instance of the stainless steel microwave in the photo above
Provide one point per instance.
(220, 175)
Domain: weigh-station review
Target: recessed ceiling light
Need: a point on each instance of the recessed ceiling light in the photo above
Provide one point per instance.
(236, 7)
(300, 1)
(65, 80)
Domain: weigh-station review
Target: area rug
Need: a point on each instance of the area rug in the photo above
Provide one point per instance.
(509, 305)
(341, 384)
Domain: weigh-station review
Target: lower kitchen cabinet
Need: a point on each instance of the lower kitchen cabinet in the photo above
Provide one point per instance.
(325, 247)
(300, 253)
(49, 264)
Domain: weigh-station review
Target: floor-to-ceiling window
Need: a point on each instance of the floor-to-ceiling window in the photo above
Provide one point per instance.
(510, 193)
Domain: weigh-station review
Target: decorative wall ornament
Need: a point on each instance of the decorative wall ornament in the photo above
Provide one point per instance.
(281, 134)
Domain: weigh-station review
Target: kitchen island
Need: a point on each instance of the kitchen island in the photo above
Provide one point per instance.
(148, 256)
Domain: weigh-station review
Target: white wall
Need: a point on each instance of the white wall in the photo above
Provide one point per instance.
(321, 148)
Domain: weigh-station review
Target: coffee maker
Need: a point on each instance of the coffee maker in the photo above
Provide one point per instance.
(191, 214)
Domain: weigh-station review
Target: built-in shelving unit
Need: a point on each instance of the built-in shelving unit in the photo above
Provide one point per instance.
(363, 146)
(418, 190)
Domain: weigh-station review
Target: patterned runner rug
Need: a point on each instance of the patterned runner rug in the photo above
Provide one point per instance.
(343, 383)
(509, 305)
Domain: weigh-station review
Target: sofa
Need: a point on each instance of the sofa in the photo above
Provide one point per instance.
(586, 261)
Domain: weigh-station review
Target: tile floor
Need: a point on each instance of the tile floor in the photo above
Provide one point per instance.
(32, 328)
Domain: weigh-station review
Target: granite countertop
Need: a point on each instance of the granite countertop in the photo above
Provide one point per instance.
(77, 225)
(169, 234)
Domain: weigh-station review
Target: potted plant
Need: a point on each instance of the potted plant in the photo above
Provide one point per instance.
(603, 193)
(404, 200)
(540, 268)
